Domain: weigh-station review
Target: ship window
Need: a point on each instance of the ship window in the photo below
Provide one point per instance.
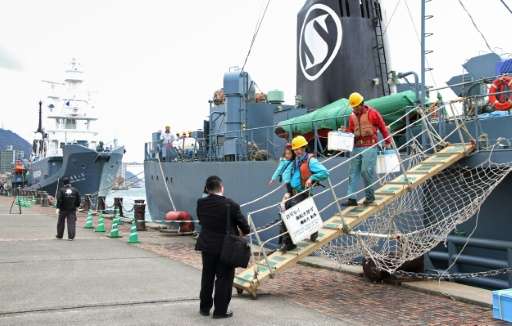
(347, 7)
(341, 8)
(166, 179)
(152, 177)
(70, 124)
(367, 8)
(156, 178)
(361, 5)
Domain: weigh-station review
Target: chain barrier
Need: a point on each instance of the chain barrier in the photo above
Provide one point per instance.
(128, 210)
(452, 276)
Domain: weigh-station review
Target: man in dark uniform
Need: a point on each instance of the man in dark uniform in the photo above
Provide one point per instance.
(68, 199)
(212, 212)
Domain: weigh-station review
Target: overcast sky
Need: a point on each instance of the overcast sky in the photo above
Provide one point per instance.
(158, 62)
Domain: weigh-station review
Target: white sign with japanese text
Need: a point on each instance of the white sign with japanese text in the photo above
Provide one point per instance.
(302, 220)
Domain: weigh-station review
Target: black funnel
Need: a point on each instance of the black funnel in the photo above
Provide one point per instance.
(340, 49)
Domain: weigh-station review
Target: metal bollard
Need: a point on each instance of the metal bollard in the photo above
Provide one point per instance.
(38, 197)
(139, 212)
(86, 205)
(100, 205)
(44, 199)
(118, 203)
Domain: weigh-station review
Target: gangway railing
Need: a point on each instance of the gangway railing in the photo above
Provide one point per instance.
(344, 221)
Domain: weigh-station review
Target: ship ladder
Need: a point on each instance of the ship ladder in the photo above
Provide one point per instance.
(249, 279)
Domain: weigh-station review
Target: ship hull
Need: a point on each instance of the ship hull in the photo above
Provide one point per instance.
(246, 180)
(89, 171)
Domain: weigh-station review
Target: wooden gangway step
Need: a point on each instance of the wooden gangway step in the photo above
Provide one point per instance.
(250, 278)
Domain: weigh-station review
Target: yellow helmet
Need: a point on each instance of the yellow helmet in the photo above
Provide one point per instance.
(355, 99)
(299, 142)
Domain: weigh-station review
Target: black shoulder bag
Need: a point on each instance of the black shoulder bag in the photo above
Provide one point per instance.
(235, 249)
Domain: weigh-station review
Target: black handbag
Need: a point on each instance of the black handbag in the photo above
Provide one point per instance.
(235, 249)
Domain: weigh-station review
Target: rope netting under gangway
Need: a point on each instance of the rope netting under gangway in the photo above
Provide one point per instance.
(415, 222)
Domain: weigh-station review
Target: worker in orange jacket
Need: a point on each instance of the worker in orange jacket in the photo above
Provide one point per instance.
(364, 123)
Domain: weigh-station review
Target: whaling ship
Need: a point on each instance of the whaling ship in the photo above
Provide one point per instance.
(341, 47)
(66, 143)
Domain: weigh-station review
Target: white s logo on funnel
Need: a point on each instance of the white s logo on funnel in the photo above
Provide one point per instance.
(315, 43)
(317, 46)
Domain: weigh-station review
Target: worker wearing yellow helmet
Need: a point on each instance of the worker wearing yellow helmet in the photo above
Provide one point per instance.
(305, 172)
(364, 122)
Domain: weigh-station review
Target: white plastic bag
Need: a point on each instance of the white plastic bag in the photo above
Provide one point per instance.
(388, 162)
(340, 141)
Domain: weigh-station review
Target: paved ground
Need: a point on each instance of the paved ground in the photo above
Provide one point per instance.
(96, 280)
(99, 281)
(346, 297)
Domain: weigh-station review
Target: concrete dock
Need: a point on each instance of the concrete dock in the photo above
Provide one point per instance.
(96, 280)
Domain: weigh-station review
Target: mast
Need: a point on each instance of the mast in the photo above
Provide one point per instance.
(425, 137)
(40, 125)
(423, 54)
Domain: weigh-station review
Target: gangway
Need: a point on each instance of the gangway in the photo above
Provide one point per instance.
(250, 278)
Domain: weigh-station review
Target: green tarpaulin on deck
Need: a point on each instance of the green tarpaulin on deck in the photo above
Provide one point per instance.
(335, 114)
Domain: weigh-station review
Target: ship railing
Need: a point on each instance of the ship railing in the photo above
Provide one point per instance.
(259, 143)
(263, 140)
(468, 109)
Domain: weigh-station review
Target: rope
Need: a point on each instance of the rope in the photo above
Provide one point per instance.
(258, 26)
(165, 183)
(391, 17)
(476, 26)
(257, 199)
(506, 6)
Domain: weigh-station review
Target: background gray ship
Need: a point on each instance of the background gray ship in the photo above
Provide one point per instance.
(66, 143)
(341, 48)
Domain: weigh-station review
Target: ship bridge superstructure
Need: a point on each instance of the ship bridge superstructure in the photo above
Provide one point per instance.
(68, 115)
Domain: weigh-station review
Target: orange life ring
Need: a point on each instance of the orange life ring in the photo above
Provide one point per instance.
(501, 102)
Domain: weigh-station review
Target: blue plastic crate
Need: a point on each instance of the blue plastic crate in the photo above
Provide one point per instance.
(502, 304)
